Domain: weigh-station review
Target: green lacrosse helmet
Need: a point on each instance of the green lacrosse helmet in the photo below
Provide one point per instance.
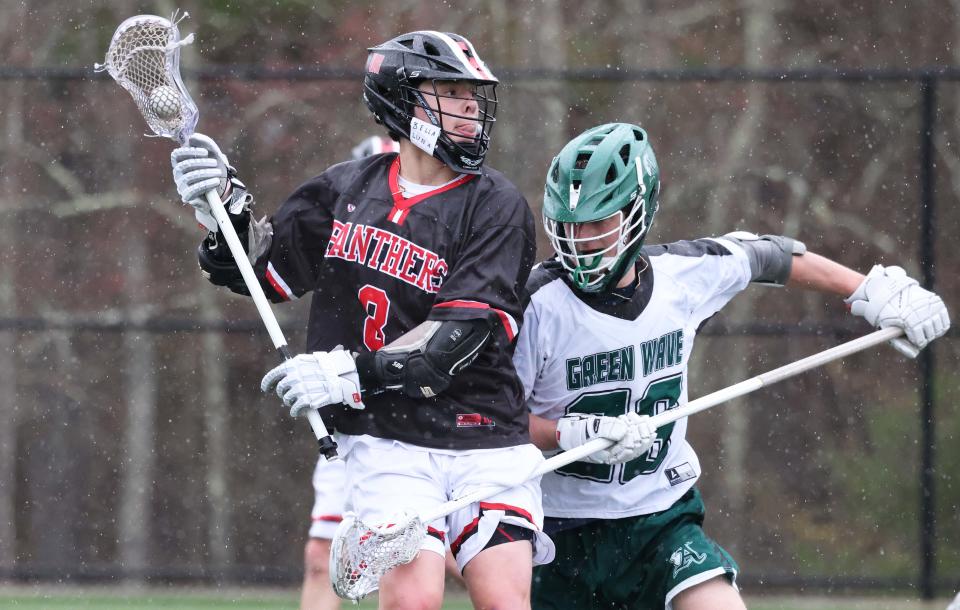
(606, 171)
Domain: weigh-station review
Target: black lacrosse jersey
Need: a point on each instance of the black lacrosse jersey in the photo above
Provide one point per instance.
(378, 265)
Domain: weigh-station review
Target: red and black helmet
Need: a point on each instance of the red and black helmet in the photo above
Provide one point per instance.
(395, 70)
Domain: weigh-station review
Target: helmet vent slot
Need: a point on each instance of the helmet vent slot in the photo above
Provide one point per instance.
(555, 172)
(638, 135)
(582, 160)
(611, 174)
(625, 153)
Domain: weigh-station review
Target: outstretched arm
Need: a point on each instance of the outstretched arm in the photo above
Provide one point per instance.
(816, 272)
(886, 296)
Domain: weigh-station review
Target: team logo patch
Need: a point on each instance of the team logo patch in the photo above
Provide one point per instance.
(684, 557)
(474, 420)
(683, 472)
(351, 207)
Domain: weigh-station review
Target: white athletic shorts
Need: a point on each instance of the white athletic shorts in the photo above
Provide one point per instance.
(329, 479)
(385, 477)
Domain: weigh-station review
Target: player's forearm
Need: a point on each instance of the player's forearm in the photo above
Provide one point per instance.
(815, 272)
(543, 432)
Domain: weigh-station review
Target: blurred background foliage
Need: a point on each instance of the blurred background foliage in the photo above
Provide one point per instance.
(134, 442)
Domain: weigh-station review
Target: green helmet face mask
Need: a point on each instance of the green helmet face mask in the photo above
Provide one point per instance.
(607, 173)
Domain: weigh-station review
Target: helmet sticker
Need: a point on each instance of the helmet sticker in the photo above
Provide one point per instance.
(574, 195)
(423, 135)
(374, 63)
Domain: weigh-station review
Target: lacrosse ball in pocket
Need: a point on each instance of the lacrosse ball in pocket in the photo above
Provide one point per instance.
(165, 102)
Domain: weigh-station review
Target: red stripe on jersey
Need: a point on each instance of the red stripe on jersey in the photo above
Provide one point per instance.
(276, 286)
(509, 325)
(401, 205)
(432, 531)
(333, 518)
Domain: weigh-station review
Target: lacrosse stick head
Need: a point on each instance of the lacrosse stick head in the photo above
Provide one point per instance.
(144, 58)
(361, 554)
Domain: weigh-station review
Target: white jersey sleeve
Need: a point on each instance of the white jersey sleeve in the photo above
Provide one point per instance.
(714, 270)
(527, 357)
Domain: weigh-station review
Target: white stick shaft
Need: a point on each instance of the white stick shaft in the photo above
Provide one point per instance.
(256, 291)
(694, 406)
(778, 374)
(246, 270)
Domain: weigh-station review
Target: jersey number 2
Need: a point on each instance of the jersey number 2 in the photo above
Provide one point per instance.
(377, 305)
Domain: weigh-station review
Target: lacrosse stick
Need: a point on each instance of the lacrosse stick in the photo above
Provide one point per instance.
(361, 554)
(144, 58)
(955, 604)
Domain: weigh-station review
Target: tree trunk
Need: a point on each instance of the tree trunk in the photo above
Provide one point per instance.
(759, 36)
(10, 190)
(140, 391)
(217, 433)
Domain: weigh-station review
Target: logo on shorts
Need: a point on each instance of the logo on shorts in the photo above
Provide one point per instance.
(474, 420)
(684, 557)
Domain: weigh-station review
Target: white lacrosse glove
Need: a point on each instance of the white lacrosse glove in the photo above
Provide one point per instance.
(631, 432)
(199, 167)
(639, 438)
(313, 381)
(888, 297)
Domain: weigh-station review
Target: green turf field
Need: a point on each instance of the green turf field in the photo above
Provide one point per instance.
(73, 598)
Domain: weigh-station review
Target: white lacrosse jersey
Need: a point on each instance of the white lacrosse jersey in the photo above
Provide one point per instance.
(608, 355)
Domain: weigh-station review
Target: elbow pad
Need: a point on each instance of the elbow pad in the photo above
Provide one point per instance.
(771, 256)
(424, 362)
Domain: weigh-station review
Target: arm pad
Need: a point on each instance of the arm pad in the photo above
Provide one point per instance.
(423, 362)
(216, 260)
(771, 256)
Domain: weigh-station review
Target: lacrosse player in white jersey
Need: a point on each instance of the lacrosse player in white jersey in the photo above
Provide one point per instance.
(604, 345)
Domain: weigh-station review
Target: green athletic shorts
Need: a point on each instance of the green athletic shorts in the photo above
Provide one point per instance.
(636, 563)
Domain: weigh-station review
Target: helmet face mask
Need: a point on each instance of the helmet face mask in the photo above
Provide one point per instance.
(591, 267)
(599, 202)
(451, 105)
(406, 87)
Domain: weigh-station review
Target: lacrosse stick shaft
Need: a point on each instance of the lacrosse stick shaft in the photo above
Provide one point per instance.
(694, 406)
(327, 446)
(778, 374)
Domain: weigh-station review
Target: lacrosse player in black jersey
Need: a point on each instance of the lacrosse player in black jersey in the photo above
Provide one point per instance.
(417, 263)
(329, 478)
